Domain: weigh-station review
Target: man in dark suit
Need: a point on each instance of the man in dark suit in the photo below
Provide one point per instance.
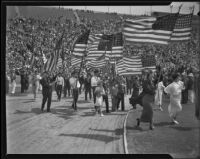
(87, 83)
(105, 96)
(47, 83)
(67, 88)
(120, 97)
(23, 81)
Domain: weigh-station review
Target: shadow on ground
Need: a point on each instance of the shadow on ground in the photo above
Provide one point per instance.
(88, 114)
(134, 128)
(102, 138)
(184, 128)
(163, 124)
(63, 113)
(33, 110)
(30, 101)
(83, 101)
(116, 131)
(18, 94)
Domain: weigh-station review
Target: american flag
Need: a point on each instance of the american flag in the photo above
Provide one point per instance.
(75, 63)
(120, 67)
(101, 46)
(105, 45)
(149, 62)
(93, 42)
(95, 64)
(81, 44)
(110, 46)
(133, 65)
(117, 48)
(60, 62)
(182, 29)
(149, 29)
(117, 45)
(51, 63)
(106, 68)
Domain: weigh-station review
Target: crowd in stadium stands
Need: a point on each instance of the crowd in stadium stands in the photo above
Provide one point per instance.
(30, 36)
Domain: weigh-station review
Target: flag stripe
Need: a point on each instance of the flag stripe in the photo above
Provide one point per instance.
(149, 30)
(182, 29)
(134, 65)
(81, 44)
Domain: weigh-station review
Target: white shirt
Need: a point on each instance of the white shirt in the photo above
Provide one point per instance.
(72, 82)
(38, 77)
(94, 81)
(174, 89)
(60, 81)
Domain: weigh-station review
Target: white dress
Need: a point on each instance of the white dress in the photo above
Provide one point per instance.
(159, 93)
(99, 96)
(174, 89)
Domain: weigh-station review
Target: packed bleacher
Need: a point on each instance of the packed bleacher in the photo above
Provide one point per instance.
(34, 35)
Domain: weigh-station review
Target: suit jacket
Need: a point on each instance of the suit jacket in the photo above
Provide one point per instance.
(87, 83)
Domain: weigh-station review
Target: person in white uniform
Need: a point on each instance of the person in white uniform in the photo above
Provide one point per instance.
(94, 81)
(174, 90)
(159, 93)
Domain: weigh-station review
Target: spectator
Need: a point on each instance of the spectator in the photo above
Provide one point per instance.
(13, 81)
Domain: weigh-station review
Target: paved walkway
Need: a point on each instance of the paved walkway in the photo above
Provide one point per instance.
(62, 131)
(180, 141)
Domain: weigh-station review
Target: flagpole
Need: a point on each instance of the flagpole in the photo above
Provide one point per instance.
(171, 6)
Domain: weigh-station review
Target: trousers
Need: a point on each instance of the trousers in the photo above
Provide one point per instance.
(59, 91)
(75, 93)
(47, 96)
(105, 98)
(94, 96)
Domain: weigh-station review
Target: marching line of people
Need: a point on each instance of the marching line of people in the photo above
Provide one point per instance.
(153, 90)
(147, 90)
(94, 84)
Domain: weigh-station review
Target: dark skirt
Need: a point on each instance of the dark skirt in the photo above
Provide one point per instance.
(147, 112)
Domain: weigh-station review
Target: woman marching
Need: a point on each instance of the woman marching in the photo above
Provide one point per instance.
(175, 89)
(159, 93)
(147, 101)
(35, 83)
(99, 92)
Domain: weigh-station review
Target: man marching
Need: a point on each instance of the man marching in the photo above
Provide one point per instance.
(94, 81)
(59, 85)
(47, 83)
(75, 85)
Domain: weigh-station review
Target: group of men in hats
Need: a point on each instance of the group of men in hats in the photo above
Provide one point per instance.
(91, 83)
